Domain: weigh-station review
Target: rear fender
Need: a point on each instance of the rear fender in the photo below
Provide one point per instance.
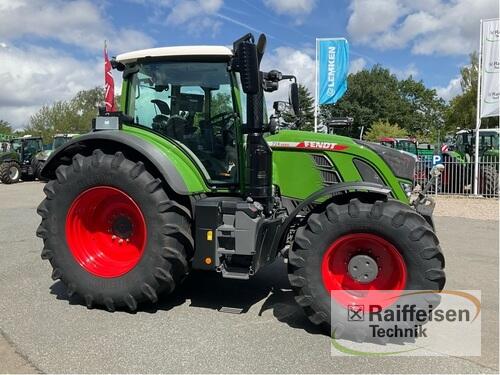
(162, 157)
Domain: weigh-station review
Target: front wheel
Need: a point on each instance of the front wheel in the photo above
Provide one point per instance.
(10, 172)
(112, 234)
(362, 246)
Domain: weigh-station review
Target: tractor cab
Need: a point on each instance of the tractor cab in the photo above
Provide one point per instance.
(195, 97)
(465, 141)
(403, 144)
(26, 147)
(194, 103)
(60, 139)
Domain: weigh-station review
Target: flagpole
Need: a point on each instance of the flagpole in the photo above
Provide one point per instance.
(478, 110)
(316, 93)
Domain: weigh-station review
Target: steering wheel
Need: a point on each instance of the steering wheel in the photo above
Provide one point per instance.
(221, 117)
(221, 121)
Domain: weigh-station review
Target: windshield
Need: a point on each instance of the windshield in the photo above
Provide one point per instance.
(59, 141)
(32, 146)
(16, 145)
(487, 140)
(191, 102)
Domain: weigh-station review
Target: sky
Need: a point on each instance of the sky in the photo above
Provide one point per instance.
(51, 49)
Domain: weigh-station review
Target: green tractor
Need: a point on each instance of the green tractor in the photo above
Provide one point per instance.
(57, 141)
(190, 177)
(460, 156)
(19, 161)
(424, 153)
(465, 140)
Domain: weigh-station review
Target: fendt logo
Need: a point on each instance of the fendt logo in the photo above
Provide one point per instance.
(309, 145)
(312, 145)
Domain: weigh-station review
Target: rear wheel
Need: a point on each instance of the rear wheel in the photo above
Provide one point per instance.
(380, 246)
(10, 172)
(488, 182)
(112, 234)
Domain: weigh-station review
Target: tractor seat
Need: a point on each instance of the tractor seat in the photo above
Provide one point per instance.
(162, 106)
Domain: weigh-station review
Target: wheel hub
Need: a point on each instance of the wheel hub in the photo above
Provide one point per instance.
(355, 275)
(122, 227)
(13, 173)
(106, 231)
(363, 268)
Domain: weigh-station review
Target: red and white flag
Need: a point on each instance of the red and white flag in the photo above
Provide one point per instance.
(444, 148)
(109, 83)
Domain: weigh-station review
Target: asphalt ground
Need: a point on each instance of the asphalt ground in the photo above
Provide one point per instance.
(44, 331)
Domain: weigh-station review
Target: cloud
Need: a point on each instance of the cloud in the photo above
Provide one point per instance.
(197, 15)
(187, 10)
(409, 70)
(32, 76)
(427, 26)
(79, 23)
(369, 17)
(289, 61)
(298, 9)
(291, 7)
(357, 65)
(451, 90)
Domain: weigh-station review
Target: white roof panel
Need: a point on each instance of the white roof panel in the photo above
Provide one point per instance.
(484, 130)
(174, 51)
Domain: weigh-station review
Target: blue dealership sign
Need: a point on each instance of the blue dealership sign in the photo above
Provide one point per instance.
(332, 59)
(437, 159)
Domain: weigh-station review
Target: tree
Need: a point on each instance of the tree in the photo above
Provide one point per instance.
(461, 112)
(221, 103)
(305, 120)
(74, 116)
(5, 127)
(380, 129)
(376, 94)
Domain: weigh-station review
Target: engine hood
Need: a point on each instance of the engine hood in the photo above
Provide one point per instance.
(400, 164)
(294, 139)
(43, 155)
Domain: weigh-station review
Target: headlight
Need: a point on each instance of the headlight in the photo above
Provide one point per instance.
(401, 163)
(407, 188)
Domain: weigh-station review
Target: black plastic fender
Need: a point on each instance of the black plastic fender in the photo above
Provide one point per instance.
(331, 191)
(116, 141)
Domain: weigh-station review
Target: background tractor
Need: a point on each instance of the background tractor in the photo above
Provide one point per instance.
(189, 177)
(19, 161)
(460, 157)
(424, 153)
(41, 157)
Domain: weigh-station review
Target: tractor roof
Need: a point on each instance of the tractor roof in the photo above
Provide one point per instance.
(65, 135)
(174, 51)
(492, 130)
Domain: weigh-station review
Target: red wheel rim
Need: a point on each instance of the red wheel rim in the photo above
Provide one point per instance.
(105, 231)
(391, 274)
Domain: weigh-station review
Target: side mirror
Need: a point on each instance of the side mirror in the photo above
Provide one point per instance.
(294, 98)
(248, 66)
